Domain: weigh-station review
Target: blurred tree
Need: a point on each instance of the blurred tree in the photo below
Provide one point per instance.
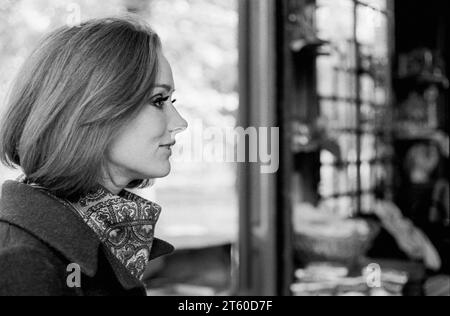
(200, 40)
(24, 22)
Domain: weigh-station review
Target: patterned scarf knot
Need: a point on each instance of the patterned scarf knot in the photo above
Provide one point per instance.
(125, 223)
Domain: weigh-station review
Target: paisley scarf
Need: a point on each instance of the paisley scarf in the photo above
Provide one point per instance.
(125, 223)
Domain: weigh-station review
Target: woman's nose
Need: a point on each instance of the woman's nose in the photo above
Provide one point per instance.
(179, 124)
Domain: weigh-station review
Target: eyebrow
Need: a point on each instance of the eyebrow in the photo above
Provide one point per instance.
(166, 87)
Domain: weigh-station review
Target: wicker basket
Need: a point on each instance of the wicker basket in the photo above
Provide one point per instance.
(347, 250)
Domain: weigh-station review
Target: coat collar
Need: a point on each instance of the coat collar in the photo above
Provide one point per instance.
(42, 215)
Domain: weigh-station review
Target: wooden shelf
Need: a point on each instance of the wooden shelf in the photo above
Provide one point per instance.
(419, 134)
(423, 80)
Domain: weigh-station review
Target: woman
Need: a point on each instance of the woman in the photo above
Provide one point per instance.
(90, 115)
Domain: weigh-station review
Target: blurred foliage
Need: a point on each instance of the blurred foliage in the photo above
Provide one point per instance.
(200, 40)
(24, 22)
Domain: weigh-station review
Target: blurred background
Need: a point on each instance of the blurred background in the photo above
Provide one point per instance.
(359, 90)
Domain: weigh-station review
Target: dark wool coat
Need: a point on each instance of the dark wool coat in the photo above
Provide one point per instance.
(40, 239)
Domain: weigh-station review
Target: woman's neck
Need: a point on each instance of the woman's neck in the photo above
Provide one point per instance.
(115, 184)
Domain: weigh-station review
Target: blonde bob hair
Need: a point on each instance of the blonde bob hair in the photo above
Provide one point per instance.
(71, 97)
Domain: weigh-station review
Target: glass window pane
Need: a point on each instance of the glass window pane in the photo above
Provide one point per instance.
(337, 84)
(335, 19)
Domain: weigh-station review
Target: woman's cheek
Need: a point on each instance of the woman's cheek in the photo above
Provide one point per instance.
(155, 126)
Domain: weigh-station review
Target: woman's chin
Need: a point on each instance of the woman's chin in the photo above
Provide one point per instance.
(160, 173)
(165, 174)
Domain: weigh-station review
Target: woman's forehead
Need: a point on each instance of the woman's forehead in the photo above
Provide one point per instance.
(165, 75)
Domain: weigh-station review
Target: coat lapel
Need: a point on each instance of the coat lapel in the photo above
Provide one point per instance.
(54, 223)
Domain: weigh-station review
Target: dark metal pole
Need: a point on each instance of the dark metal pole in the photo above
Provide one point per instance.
(358, 70)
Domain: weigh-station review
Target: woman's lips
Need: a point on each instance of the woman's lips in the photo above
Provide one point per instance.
(168, 147)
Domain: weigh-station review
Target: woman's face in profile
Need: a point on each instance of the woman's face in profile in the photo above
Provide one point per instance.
(142, 148)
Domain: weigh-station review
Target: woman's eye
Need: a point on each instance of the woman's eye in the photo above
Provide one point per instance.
(162, 101)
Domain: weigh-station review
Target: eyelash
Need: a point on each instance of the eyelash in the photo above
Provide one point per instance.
(162, 100)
